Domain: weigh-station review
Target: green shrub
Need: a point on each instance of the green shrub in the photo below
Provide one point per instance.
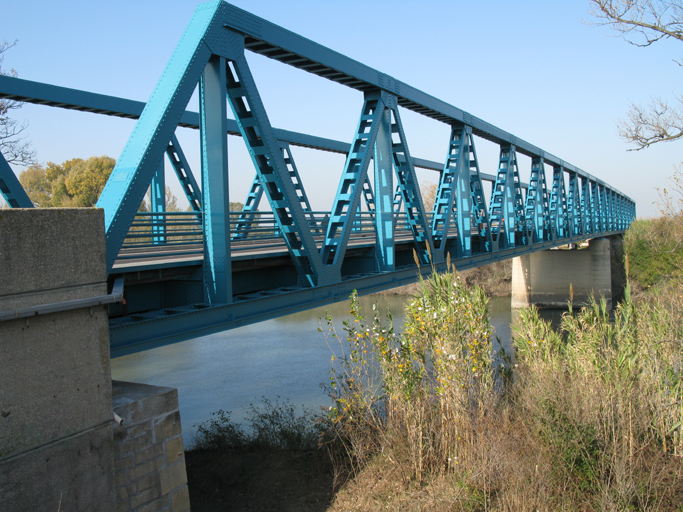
(272, 426)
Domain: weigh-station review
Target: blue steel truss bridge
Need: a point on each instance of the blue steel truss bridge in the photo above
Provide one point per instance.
(187, 274)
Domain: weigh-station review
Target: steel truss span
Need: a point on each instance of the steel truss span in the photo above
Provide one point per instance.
(206, 270)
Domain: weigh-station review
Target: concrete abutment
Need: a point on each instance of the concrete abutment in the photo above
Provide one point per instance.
(545, 278)
(59, 446)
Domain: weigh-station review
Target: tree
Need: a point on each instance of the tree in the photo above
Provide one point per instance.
(85, 181)
(36, 185)
(74, 183)
(13, 146)
(642, 23)
(429, 190)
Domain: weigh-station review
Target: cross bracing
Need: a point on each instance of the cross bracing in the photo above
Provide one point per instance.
(210, 269)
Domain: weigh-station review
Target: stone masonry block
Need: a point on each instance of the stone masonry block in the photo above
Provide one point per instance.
(149, 453)
(142, 442)
(124, 463)
(143, 497)
(172, 477)
(168, 426)
(138, 403)
(155, 506)
(145, 468)
(125, 449)
(180, 499)
(123, 493)
(126, 432)
(174, 450)
(121, 478)
(148, 481)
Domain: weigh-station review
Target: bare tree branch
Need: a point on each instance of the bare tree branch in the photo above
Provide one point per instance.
(642, 23)
(658, 122)
(15, 148)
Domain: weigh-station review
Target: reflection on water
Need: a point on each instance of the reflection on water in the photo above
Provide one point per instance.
(284, 357)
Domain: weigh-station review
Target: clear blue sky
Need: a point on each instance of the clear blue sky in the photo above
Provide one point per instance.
(531, 67)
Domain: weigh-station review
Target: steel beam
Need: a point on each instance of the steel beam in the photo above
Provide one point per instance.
(384, 193)
(275, 42)
(274, 175)
(141, 155)
(506, 204)
(215, 199)
(354, 174)
(408, 190)
(157, 203)
(14, 194)
(458, 154)
(154, 329)
(74, 99)
(184, 173)
(537, 210)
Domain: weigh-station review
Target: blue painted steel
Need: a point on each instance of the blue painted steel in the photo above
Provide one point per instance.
(408, 189)
(573, 209)
(604, 209)
(506, 205)
(73, 99)
(520, 229)
(595, 207)
(586, 216)
(184, 173)
(213, 49)
(214, 143)
(276, 180)
(134, 169)
(347, 200)
(369, 197)
(157, 192)
(537, 208)
(398, 201)
(249, 210)
(249, 215)
(480, 214)
(10, 188)
(448, 188)
(384, 192)
(558, 205)
(294, 176)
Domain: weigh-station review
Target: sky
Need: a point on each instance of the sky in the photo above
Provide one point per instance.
(538, 69)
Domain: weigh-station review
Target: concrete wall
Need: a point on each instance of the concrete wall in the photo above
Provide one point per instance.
(544, 278)
(56, 447)
(150, 459)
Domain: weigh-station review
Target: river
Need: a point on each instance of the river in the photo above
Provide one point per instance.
(285, 357)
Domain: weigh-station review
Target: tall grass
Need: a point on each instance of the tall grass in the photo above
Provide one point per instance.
(431, 419)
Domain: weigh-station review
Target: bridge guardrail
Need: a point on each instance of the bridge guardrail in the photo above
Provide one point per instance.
(153, 234)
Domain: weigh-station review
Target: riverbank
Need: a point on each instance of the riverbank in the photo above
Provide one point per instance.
(573, 429)
(495, 279)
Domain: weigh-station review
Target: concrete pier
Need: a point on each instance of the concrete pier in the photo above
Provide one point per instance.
(56, 444)
(544, 278)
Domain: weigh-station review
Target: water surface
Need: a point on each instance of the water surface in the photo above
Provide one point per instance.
(285, 357)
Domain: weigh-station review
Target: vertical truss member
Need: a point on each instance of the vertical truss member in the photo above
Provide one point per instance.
(537, 209)
(506, 205)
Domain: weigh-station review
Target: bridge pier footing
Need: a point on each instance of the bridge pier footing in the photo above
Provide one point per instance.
(544, 279)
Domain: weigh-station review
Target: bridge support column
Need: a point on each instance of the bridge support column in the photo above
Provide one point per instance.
(544, 278)
(158, 205)
(215, 197)
(56, 445)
